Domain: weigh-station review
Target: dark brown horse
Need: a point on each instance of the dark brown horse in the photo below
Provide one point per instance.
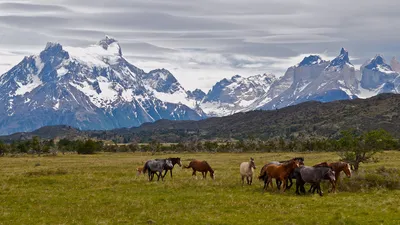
(201, 166)
(337, 167)
(281, 172)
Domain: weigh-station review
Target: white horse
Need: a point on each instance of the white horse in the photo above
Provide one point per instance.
(247, 170)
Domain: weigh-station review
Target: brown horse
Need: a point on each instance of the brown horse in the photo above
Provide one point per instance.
(337, 167)
(201, 166)
(281, 172)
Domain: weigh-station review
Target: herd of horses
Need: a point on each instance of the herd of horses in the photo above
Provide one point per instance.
(282, 171)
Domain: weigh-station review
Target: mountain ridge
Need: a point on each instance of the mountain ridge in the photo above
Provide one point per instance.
(97, 88)
(308, 120)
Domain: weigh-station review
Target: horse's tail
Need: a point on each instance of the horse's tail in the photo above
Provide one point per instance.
(263, 173)
(189, 166)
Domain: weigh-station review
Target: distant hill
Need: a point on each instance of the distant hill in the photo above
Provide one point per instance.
(309, 119)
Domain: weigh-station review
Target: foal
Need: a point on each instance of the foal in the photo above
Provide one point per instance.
(247, 170)
(281, 172)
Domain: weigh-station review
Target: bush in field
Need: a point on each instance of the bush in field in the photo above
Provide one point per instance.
(388, 178)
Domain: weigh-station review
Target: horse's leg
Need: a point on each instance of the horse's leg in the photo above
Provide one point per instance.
(284, 185)
(319, 189)
(158, 175)
(194, 173)
(242, 180)
(265, 182)
(251, 179)
(302, 189)
(278, 183)
(311, 188)
(248, 180)
(291, 183)
(165, 173)
(170, 173)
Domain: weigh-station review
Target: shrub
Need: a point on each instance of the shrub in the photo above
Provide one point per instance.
(388, 178)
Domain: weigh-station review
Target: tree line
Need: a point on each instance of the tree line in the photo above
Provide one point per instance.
(352, 146)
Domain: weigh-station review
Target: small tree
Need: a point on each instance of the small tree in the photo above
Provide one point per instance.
(3, 148)
(357, 149)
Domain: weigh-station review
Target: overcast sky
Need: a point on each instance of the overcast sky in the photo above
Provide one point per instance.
(201, 42)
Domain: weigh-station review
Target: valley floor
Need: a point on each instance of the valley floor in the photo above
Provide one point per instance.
(104, 189)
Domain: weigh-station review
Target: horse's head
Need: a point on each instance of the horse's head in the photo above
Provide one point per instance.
(295, 163)
(252, 164)
(178, 161)
(300, 159)
(347, 170)
(212, 174)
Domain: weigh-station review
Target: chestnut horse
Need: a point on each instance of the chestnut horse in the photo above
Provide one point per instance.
(263, 173)
(201, 166)
(337, 167)
(281, 172)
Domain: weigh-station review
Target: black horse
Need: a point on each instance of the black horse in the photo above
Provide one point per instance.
(263, 174)
(174, 161)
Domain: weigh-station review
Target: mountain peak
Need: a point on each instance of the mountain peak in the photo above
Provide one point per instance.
(107, 41)
(53, 45)
(378, 63)
(341, 59)
(311, 60)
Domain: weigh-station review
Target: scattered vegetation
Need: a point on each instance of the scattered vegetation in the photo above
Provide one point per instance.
(352, 147)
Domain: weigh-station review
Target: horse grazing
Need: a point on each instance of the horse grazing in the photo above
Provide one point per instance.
(201, 166)
(313, 175)
(247, 170)
(263, 173)
(154, 166)
(280, 172)
(139, 170)
(174, 161)
(337, 167)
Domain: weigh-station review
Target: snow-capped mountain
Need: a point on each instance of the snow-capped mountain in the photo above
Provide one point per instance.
(317, 79)
(97, 88)
(376, 73)
(379, 77)
(237, 94)
(88, 88)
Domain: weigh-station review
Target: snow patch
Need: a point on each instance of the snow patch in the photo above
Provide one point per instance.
(26, 88)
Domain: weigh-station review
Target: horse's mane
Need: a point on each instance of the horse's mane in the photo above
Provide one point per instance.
(295, 158)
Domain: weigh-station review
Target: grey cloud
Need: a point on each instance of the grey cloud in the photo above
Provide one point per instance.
(213, 35)
(29, 7)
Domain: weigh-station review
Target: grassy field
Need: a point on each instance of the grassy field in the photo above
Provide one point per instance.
(104, 189)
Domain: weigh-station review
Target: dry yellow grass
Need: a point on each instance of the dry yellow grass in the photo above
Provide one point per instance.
(104, 189)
